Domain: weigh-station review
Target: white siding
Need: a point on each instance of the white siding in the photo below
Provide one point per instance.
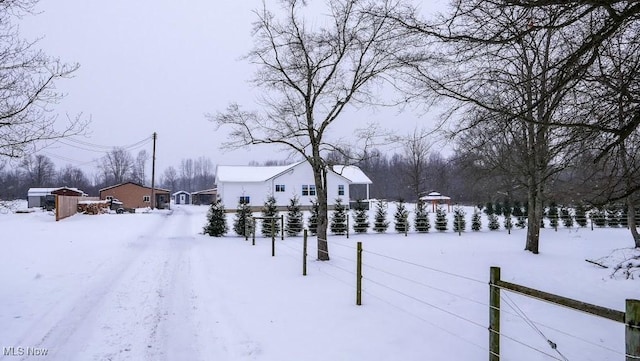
(292, 179)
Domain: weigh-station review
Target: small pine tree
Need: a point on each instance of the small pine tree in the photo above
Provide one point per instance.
(313, 218)
(242, 223)
(476, 221)
(508, 222)
(441, 219)
(624, 217)
(488, 209)
(380, 223)
(494, 225)
(613, 215)
(498, 209)
(552, 214)
(507, 207)
(459, 223)
(270, 210)
(294, 224)
(567, 218)
(339, 218)
(598, 218)
(581, 215)
(421, 221)
(401, 218)
(361, 218)
(216, 220)
(519, 214)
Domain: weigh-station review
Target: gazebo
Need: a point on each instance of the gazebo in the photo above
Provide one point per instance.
(436, 198)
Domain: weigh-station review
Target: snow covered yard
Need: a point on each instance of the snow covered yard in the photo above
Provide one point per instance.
(151, 287)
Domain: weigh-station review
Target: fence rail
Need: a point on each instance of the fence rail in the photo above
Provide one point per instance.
(631, 317)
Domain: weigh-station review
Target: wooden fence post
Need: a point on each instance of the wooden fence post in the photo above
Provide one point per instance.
(494, 314)
(253, 242)
(246, 229)
(273, 237)
(632, 332)
(347, 226)
(304, 254)
(359, 276)
(282, 227)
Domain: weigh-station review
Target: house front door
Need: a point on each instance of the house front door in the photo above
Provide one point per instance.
(182, 199)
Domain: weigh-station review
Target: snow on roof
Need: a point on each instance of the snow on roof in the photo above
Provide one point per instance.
(206, 191)
(35, 192)
(434, 196)
(180, 192)
(352, 173)
(247, 173)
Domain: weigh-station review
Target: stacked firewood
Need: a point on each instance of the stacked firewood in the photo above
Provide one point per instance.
(93, 207)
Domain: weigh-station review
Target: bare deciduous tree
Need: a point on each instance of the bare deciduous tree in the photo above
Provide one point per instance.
(310, 71)
(117, 166)
(510, 83)
(170, 178)
(39, 170)
(71, 176)
(27, 88)
(416, 148)
(139, 167)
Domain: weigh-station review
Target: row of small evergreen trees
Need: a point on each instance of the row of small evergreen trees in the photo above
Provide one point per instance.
(513, 216)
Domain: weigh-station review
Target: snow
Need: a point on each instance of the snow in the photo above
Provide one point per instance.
(149, 286)
(242, 173)
(352, 173)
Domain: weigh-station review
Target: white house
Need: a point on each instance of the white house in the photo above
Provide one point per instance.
(253, 184)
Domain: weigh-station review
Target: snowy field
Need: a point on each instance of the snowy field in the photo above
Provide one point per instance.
(149, 286)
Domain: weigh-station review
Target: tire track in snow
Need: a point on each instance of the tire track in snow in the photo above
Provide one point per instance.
(56, 326)
(117, 318)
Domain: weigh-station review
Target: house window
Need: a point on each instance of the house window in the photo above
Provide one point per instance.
(341, 190)
(245, 200)
(308, 190)
(146, 199)
(279, 187)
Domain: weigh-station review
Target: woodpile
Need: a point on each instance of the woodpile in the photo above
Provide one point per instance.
(93, 207)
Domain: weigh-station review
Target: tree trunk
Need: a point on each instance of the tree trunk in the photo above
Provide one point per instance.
(320, 177)
(534, 214)
(631, 219)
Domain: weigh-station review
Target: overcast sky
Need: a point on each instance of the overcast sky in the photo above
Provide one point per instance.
(157, 65)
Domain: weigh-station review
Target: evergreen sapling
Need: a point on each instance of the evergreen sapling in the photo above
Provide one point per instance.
(401, 217)
(216, 220)
(476, 221)
(441, 219)
(243, 223)
(339, 218)
(313, 218)
(294, 223)
(361, 218)
(567, 218)
(421, 221)
(581, 215)
(380, 223)
(459, 223)
(270, 210)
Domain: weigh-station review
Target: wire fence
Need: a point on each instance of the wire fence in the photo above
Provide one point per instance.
(421, 291)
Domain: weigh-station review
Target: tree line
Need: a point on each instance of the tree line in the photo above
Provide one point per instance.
(117, 166)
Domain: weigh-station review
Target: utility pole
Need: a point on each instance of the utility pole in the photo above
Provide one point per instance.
(153, 173)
